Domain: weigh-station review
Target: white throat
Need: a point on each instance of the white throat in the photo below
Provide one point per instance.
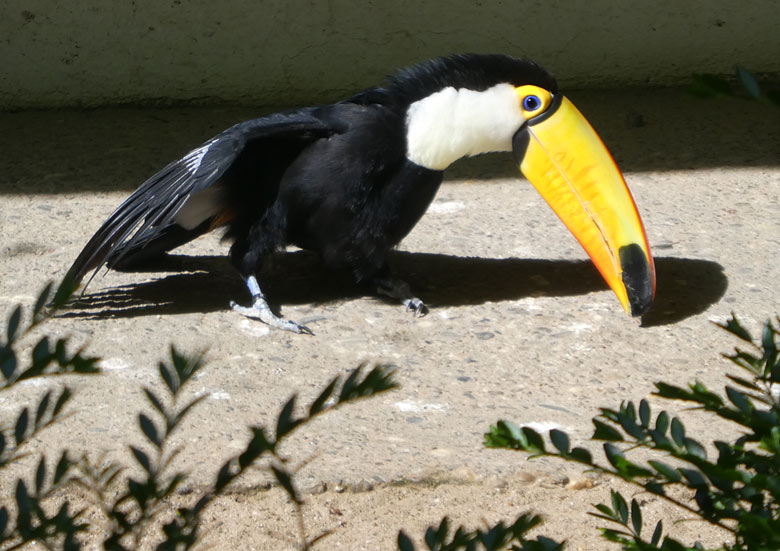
(451, 124)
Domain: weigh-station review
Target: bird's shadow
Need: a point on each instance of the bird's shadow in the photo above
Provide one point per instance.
(206, 284)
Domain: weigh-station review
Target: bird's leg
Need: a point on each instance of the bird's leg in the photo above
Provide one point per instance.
(261, 311)
(396, 288)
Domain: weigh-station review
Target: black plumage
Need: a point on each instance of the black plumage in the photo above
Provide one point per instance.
(334, 179)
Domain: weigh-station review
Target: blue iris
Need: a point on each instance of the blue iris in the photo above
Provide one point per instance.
(531, 103)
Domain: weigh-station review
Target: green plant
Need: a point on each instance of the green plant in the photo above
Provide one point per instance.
(710, 86)
(738, 491)
(47, 359)
(494, 538)
(137, 508)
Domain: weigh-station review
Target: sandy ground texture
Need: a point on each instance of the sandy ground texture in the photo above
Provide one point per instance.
(521, 326)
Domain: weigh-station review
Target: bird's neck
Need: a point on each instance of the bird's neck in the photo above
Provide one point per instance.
(451, 124)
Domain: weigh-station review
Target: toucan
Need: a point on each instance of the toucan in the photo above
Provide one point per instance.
(349, 180)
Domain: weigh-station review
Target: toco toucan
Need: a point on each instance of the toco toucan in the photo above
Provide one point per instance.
(349, 180)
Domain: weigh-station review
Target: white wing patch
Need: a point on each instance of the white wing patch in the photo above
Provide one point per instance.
(204, 204)
(200, 207)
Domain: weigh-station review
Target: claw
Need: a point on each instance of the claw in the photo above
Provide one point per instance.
(261, 311)
(417, 306)
(395, 288)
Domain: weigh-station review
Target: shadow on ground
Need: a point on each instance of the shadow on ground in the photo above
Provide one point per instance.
(207, 283)
(117, 148)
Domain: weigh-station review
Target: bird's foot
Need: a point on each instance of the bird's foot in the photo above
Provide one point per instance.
(417, 306)
(261, 311)
(395, 288)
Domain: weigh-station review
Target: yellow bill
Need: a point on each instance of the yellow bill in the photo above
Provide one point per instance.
(566, 161)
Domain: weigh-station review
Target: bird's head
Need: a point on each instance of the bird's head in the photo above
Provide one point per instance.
(466, 105)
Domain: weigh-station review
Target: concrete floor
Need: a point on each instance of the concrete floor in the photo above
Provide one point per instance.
(521, 326)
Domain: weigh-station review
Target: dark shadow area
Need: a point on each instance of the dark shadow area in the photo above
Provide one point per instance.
(117, 148)
(207, 283)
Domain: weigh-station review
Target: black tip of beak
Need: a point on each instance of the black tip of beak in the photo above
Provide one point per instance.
(637, 278)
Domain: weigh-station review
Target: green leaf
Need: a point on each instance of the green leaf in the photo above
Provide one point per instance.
(694, 448)
(743, 382)
(694, 477)
(404, 543)
(748, 82)
(644, 413)
(13, 324)
(709, 86)
(623, 467)
(770, 347)
(613, 453)
(747, 361)
(636, 517)
(657, 534)
(619, 506)
(662, 423)
(505, 434)
(670, 473)
(535, 440)
(678, 432)
(739, 399)
(733, 326)
(606, 511)
(581, 455)
(560, 440)
(606, 432)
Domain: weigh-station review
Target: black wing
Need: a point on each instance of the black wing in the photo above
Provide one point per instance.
(150, 210)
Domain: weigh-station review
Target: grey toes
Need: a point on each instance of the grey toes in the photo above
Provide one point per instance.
(418, 307)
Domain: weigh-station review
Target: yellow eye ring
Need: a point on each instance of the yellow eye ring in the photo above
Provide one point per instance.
(533, 100)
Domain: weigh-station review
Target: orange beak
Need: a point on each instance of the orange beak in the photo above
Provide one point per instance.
(566, 161)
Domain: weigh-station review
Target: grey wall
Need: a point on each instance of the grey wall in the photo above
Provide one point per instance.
(275, 52)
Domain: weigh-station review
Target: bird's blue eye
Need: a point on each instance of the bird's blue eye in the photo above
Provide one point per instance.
(531, 103)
